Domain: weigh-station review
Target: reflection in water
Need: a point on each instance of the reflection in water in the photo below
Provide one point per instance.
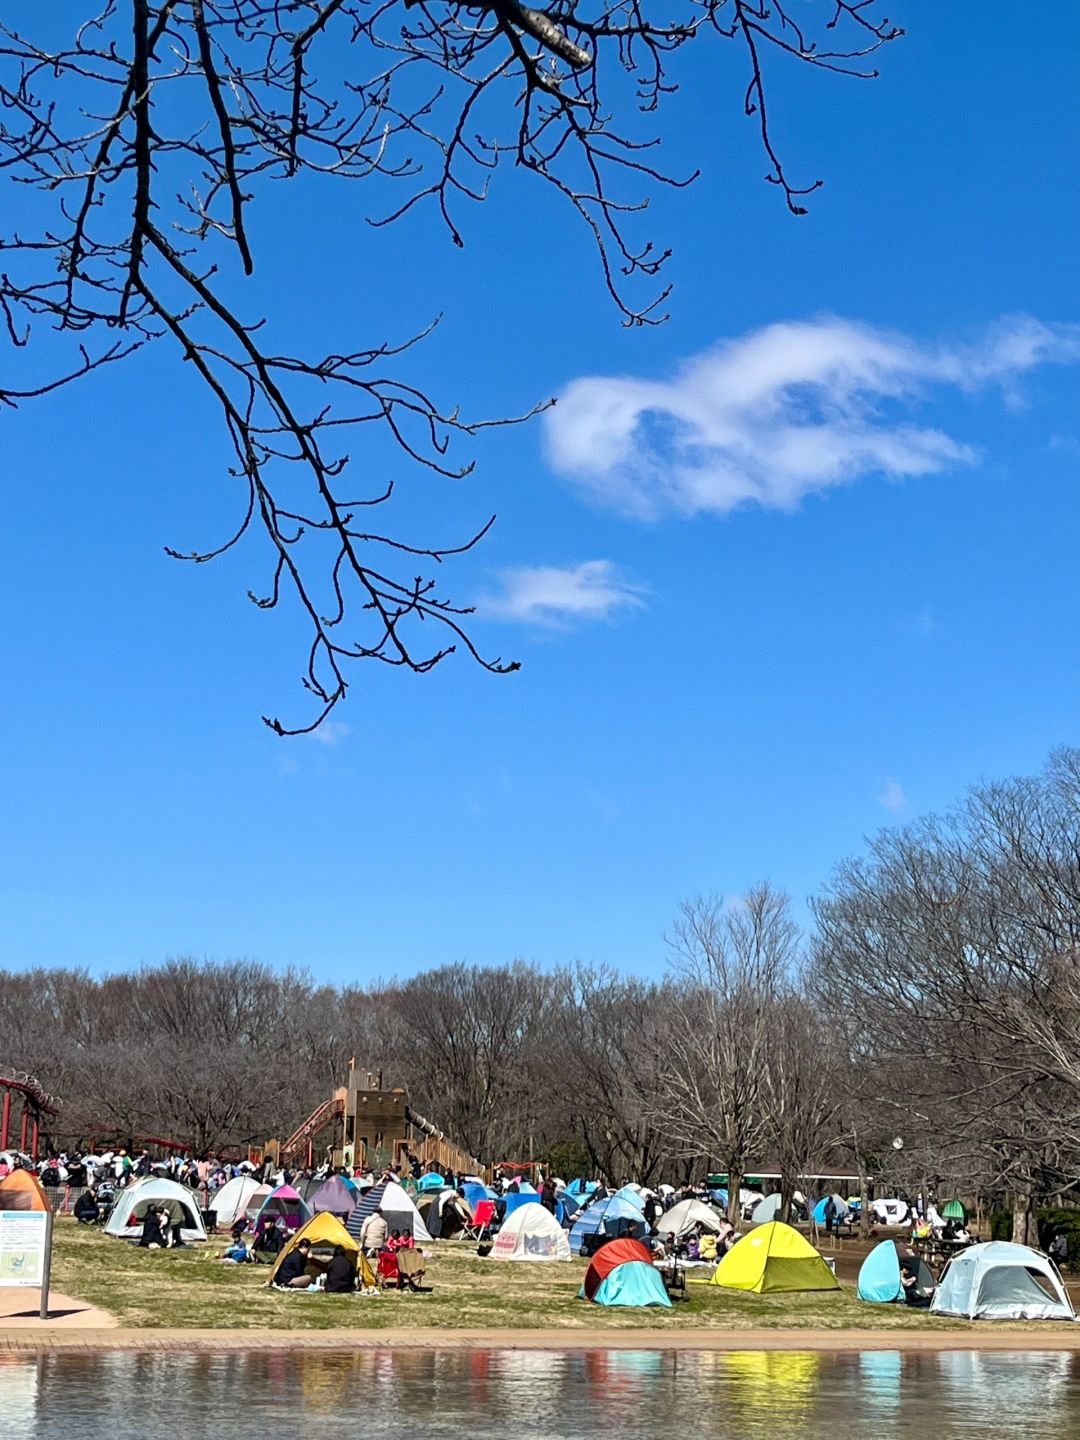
(493, 1394)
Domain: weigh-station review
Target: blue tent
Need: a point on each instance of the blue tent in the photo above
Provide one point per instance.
(474, 1193)
(566, 1207)
(879, 1275)
(514, 1201)
(431, 1181)
(818, 1211)
(582, 1188)
(611, 1217)
(629, 1193)
(633, 1283)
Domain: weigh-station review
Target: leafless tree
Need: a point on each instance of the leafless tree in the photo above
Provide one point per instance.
(137, 138)
(730, 966)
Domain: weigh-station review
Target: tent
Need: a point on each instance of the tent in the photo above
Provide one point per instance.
(954, 1210)
(19, 1190)
(772, 1258)
(767, 1209)
(1001, 1281)
(232, 1200)
(879, 1275)
(622, 1273)
(325, 1231)
(889, 1212)
(566, 1207)
(475, 1191)
(126, 1217)
(682, 1218)
(612, 1218)
(818, 1211)
(431, 1181)
(256, 1201)
(514, 1199)
(531, 1233)
(286, 1203)
(445, 1214)
(582, 1188)
(633, 1194)
(335, 1196)
(396, 1208)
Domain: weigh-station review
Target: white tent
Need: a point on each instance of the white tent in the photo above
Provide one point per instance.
(531, 1232)
(767, 1209)
(1002, 1281)
(125, 1220)
(233, 1199)
(399, 1212)
(889, 1212)
(682, 1218)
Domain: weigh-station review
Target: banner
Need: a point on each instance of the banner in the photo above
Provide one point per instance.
(24, 1236)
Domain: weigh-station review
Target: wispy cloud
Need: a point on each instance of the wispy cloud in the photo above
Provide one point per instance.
(557, 597)
(782, 412)
(331, 732)
(893, 797)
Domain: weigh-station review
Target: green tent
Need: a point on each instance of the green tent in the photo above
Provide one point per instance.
(954, 1210)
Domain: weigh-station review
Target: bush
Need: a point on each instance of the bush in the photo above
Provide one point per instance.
(1049, 1221)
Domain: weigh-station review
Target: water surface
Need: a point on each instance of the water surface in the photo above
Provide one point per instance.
(543, 1395)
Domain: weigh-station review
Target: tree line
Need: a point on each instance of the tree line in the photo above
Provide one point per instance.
(923, 1032)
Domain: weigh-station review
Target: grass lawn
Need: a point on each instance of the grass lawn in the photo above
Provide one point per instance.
(190, 1289)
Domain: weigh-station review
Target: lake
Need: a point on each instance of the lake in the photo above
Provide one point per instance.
(549, 1395)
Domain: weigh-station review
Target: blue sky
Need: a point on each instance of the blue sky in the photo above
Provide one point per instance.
(711, 692)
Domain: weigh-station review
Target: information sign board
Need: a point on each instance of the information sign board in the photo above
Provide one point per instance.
(24, 1244)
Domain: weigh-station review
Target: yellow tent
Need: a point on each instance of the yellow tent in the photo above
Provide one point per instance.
(771, 1258)
(324, 1231)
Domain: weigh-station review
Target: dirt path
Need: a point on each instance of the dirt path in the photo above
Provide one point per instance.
(61, 1335)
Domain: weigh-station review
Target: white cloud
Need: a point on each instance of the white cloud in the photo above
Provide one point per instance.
(331, 732)
(780, 413)
(548, 595)
(893, 797)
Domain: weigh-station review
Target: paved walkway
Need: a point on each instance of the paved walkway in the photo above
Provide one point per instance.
(19, 1313)
(59, 1337)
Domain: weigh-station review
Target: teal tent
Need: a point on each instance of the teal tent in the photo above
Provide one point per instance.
(431, 1181)
(880, 1279)
(635, 1283)
(954, 1210)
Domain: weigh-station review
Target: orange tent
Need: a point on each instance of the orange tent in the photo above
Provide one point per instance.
(20, 1191)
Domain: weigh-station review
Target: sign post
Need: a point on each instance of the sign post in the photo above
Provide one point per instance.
(46, 1269)
(26, 1252)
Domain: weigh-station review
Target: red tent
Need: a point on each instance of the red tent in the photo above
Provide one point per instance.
(614, 1253)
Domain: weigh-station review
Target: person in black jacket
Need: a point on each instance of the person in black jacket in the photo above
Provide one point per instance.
(152, 1237)
(292, 1273)
(86, 1208)
(341, 1274)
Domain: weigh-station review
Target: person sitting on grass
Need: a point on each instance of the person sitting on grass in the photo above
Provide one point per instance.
(341, 1272)
(152, 1237)
(238, 1253)
(292, 1272)
(86, 1208)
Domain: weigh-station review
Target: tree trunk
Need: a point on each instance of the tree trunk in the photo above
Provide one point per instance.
(786, 1188)
(1022, 1226)
(864, 1203)
(734, 1185)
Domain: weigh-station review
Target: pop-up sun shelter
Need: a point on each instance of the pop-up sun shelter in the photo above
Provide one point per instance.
(286, 1203)
(767, 1209)
(840, 1204)
(1002, 1281)
(336, 1196)
(396, 1208)
(682, 1218)
(880, 1277)
(325, 1231)
(531, 1233)
(127, 1215)
(233, 1199)
(20, 1191)
(772, 1258)
(622, 1273)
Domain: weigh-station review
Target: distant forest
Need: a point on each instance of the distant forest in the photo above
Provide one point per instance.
(926, 1029)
